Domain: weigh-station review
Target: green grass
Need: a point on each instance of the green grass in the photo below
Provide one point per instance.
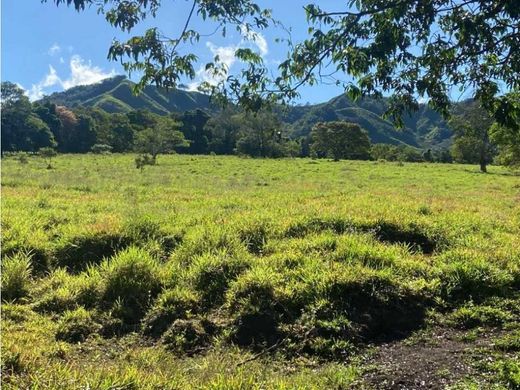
(169, 277)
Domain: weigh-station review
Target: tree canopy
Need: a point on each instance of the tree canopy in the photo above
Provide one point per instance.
(340, 140)
(407, 48)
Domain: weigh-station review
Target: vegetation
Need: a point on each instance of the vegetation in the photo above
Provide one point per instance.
(340, 140)
(470, 45)
(224, 272)
(269, 133)
(164, 138)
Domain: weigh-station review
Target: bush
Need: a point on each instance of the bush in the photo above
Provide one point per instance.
(16, 276)
(131, 280)
(75, 326)
(101, 149)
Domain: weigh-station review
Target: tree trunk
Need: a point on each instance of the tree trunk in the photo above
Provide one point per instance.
(483, 167)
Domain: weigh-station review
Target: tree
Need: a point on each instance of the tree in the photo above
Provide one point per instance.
(407, 48)
(164, 138)
(22, 129)
(260, 135)
(193, 128)
(472, 144)
(508, 143)
(225, 130)
(340, 140)
(48, 154)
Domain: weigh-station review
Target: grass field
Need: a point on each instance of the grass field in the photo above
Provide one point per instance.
(223, 273)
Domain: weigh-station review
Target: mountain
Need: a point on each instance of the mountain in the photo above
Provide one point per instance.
(423, 129)
(115, 95)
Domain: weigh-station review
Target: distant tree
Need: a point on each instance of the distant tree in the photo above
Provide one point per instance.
(193, 128)
(121, 133)
(47, 112)
(508, 143)
(225, 130)
(22, 129)
(260, 135)
(427, 155)
(141, 119)
(340, 140)
(472, 143)
(164, 138)
(384, 152)
(48, 154)
(442, 156)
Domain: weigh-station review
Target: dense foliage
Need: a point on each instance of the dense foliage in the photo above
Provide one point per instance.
(280, 132)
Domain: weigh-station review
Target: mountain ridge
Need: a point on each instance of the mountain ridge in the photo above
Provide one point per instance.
(423, 129)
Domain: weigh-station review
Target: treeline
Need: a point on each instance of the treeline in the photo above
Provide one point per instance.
(30, 126)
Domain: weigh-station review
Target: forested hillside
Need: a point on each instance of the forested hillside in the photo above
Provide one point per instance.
(423, 129)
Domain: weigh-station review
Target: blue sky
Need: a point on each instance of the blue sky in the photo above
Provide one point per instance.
(47, 48)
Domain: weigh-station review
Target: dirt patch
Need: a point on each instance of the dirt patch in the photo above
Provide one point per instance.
(430, 362)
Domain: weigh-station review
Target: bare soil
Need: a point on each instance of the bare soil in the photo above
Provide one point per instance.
(429, 361)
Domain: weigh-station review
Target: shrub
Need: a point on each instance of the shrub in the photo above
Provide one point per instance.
(101, 149)
(131, 279)
(75, 326)
(16, 276)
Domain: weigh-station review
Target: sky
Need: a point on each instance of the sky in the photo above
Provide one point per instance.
(46, 48)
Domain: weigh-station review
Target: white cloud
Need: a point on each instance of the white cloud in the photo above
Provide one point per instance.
(81, 73)
(227, 57)
(54, 49)
(84, 73)
(256, 38)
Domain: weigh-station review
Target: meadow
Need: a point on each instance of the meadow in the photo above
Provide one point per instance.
(226, 272)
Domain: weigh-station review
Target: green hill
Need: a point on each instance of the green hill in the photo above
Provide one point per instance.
(116, 95)
(423, 129)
